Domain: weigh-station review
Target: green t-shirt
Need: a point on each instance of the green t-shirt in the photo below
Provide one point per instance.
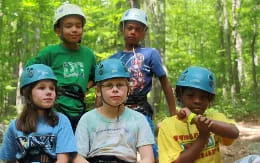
(70, 67)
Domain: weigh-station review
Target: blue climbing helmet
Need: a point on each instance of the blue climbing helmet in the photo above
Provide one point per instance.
(34, 73)
(198, 77)
(110, 68)
(135, 14)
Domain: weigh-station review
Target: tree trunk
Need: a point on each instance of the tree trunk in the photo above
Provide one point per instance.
(227, 48)
(238, 60)
(157, 27)
(223, 64)
(254, 57)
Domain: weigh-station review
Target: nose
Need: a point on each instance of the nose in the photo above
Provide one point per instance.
(50, 92)
(114, 88)
(197, 99)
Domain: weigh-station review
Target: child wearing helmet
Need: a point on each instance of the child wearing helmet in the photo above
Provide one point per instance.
(39, 134)
(72, 63)
(143, 64)
(195, 135)
(113, 132)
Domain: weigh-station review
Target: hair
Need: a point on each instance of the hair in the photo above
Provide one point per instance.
(123, 23)
(28, 119)
(179, 93)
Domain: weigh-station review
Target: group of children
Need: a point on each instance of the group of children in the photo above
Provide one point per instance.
(53, 126)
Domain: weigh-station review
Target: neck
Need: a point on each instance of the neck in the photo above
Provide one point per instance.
(110, 112)
(130, 47)
(72, 46)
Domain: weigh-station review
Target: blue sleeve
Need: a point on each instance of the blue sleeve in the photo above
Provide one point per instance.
(9, 147)
(156, 64)
(65, 138)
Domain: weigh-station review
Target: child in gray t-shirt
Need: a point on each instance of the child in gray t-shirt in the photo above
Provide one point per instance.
(113, 132)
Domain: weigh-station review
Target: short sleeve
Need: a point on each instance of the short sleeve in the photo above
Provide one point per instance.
(169, 149)
(82, 136)
(43, 57)
(221, 117)
(145, 135)
(9, 147)
(65, 138)
(156, 64)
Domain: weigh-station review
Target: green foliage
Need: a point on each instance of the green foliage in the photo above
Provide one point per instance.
(193, 36)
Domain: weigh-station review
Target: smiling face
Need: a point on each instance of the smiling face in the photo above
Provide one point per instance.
(70, 29)
(196, 100)
(113, 91)
(44, 94)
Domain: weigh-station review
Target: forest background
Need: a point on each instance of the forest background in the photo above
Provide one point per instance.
(222, 35)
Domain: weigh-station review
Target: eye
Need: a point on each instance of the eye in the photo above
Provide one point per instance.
(52, 88)
(41, 87)
(108, 86)
(120, 85)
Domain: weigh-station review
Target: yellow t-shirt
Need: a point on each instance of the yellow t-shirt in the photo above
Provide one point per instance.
(175, 136)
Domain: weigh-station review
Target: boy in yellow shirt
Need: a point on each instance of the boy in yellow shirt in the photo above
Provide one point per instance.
(194, 135)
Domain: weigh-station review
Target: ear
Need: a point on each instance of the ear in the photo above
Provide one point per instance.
(98, 91)
(58, 31)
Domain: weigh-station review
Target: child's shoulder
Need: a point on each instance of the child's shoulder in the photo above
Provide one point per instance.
(90, 114)
(149, 49)
(133, 115)
(83, 47)
(216, 115)
(51, 48)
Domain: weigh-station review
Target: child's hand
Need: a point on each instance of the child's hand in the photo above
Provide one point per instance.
(183, 114)
(203, 124)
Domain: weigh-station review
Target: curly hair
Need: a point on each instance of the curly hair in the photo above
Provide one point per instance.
(179, 93)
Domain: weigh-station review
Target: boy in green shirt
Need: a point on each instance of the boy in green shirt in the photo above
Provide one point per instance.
(72, 63)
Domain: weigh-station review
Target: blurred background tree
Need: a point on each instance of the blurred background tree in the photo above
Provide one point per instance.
(218, 34)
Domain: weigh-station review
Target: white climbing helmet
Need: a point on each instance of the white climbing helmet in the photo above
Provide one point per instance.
(135, 14)
(68, 9)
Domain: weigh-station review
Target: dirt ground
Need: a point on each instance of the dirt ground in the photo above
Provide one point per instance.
(247, 143)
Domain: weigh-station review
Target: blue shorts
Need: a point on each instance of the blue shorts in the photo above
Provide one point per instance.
(155, 146)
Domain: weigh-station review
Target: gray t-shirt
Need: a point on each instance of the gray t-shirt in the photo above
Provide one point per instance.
(97, 135)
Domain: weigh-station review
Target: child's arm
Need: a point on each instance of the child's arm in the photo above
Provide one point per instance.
(79, 159)
(193, 152)
(167, 89)
(146, 154)
(224, 129)
(62, 158)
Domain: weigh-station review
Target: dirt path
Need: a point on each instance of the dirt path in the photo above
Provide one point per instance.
(247, 143)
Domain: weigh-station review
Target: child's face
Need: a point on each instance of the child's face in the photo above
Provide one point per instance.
(43, 94)
(196, 100)
(114, 91)
(133, 32)
(71, 29)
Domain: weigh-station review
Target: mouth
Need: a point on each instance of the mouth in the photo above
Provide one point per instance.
(197, 110)
(131, 38)
(48, 100)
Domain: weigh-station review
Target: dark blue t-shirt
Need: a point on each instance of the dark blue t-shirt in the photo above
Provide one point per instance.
(143, 64)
